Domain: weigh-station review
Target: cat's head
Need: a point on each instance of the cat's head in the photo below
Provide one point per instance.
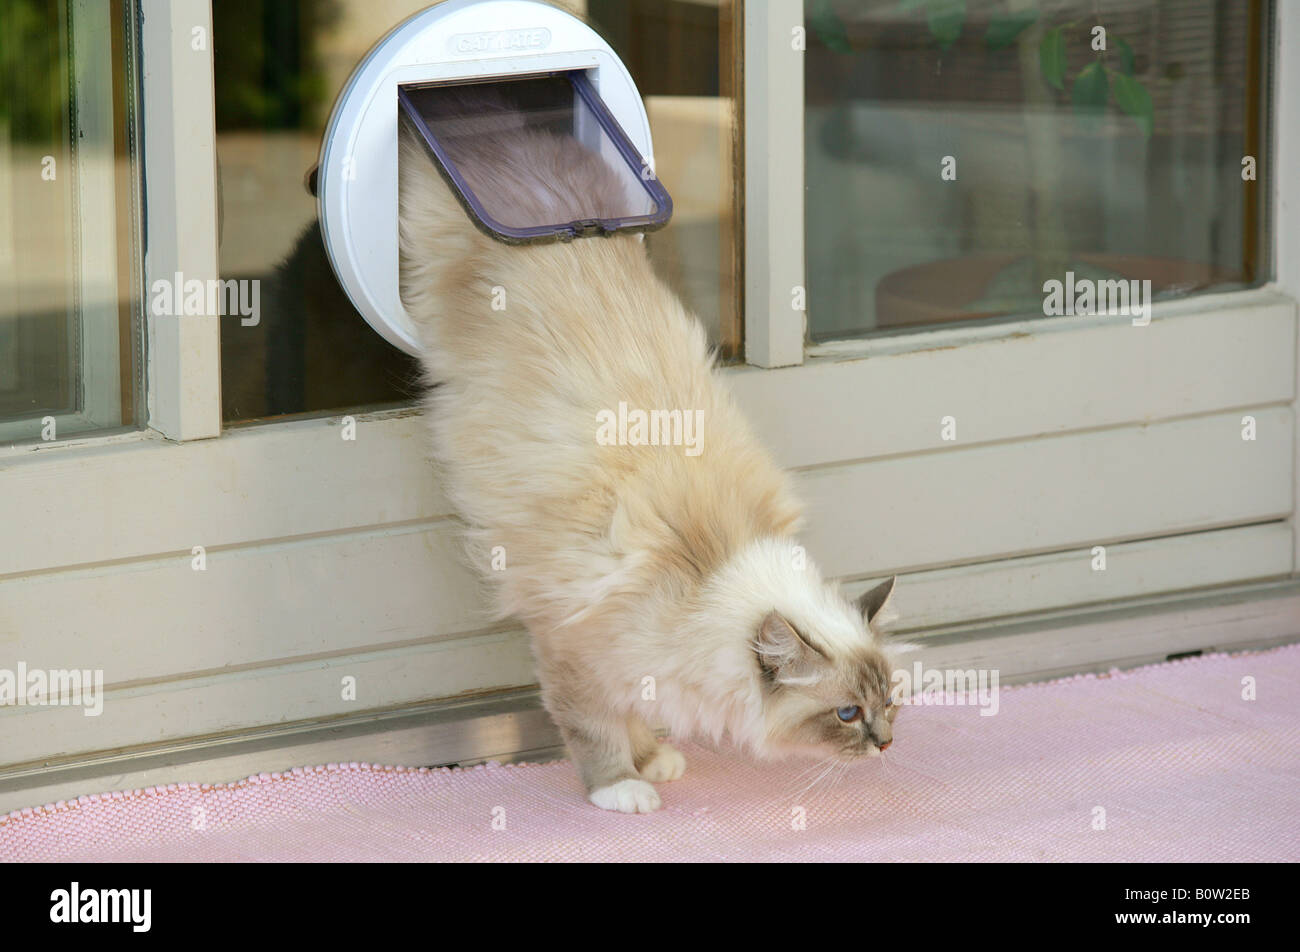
(826, 673)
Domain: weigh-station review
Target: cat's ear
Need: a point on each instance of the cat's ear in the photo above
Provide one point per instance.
(876, 604)
(783, 654)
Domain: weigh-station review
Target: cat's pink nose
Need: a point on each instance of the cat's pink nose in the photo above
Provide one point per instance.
(885, 745)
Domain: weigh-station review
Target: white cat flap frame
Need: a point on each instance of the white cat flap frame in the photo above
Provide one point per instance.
(469, 40)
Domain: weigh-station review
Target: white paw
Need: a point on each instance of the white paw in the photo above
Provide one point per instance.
(627, 796)
(666, 763)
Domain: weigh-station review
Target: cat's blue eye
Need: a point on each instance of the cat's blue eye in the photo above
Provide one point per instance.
(849, 714)
(889, 701)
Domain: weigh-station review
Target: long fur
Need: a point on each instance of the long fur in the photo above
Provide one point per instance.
(626, 563)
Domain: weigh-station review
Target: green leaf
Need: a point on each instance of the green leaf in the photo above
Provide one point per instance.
(1051, 58)
(946, 18)
(1133, 98)
(829, 28)
(1005, 27)
(1090, 91)
(909, 5)
(1125, 54)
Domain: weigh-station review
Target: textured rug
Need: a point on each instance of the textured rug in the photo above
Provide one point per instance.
(1191, 760)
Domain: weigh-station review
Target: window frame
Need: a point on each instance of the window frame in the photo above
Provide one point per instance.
(773, 146)
(180, 134)
(179, 117)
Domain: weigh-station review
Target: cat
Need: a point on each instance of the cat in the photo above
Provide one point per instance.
(658, 587)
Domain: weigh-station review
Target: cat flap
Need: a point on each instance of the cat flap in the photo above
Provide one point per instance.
(477, 132)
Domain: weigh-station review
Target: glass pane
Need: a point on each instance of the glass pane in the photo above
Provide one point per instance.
(685, 56)
(280, 64)
(984, 160)
(70, 269)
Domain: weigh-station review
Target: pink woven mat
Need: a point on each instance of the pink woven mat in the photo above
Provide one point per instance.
(1183, 767)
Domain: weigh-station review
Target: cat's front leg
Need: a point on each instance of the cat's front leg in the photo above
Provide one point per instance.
(602, 750)
(655, 762)
(601, 741)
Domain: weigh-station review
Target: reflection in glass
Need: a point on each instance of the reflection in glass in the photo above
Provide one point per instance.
(961, 155)
(70, 328)
(278, 66)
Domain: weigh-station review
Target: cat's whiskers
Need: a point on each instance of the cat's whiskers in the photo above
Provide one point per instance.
(807, 772)
(827, 766)
(829, 776)
(840, 774)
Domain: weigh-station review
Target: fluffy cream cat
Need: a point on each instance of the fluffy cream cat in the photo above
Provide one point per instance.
(660, 587)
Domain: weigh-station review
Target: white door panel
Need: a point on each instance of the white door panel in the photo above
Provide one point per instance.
(253, 605)
(1060, 492)
(162, 711)
(330, 558)
(886, 397)
(389, 630)
(139, 499)
(952, 597)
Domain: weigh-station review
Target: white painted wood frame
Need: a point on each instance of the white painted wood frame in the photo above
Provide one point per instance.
(184, 351)
(773, 181)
